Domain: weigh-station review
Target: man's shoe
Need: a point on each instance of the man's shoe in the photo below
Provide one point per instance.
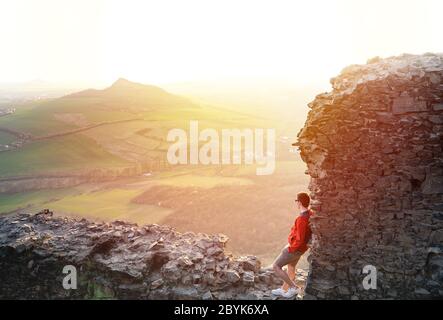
(278, 292)
(291, 293)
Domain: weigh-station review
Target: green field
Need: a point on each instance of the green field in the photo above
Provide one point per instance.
(108, 205)
(33, 118)
(30, 200)
(6, 138)
(59, 155)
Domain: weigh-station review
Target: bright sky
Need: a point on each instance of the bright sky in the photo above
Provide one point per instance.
(97, 41)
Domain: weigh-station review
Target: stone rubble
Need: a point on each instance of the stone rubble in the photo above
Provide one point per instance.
(374, 150)
(120, 260)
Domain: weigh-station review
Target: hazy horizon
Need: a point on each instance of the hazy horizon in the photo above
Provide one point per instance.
(92, 43)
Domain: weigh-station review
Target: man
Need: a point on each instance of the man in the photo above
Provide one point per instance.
(297, 245)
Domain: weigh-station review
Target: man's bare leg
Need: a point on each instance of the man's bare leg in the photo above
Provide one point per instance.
(291, 275)
(283, 275)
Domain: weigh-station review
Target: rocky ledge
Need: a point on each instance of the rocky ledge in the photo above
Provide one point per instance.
(119, 260)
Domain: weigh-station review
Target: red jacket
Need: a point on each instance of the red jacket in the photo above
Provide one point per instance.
(300, 233)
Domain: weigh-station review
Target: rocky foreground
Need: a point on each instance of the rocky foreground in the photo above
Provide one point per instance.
(119, 260)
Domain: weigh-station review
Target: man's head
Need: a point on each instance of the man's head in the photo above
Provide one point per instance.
(302, 200)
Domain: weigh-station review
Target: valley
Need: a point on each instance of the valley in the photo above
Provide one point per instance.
(101, 155)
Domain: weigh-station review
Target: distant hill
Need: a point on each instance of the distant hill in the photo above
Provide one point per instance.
(129, 95)
(124, 124)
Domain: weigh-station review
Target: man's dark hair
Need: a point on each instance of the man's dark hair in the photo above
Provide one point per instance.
(304, 199)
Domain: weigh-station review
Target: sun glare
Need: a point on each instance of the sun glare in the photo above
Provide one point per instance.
(166, 42)
(171, 40)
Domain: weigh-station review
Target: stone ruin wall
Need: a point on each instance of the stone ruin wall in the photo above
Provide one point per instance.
(119, 260)
(374, 151)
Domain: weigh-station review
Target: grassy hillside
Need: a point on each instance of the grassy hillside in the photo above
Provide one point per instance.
(58, 155)
(6, 138)
(123, 124)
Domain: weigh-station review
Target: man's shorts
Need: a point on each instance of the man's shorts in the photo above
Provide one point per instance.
(287, 257)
